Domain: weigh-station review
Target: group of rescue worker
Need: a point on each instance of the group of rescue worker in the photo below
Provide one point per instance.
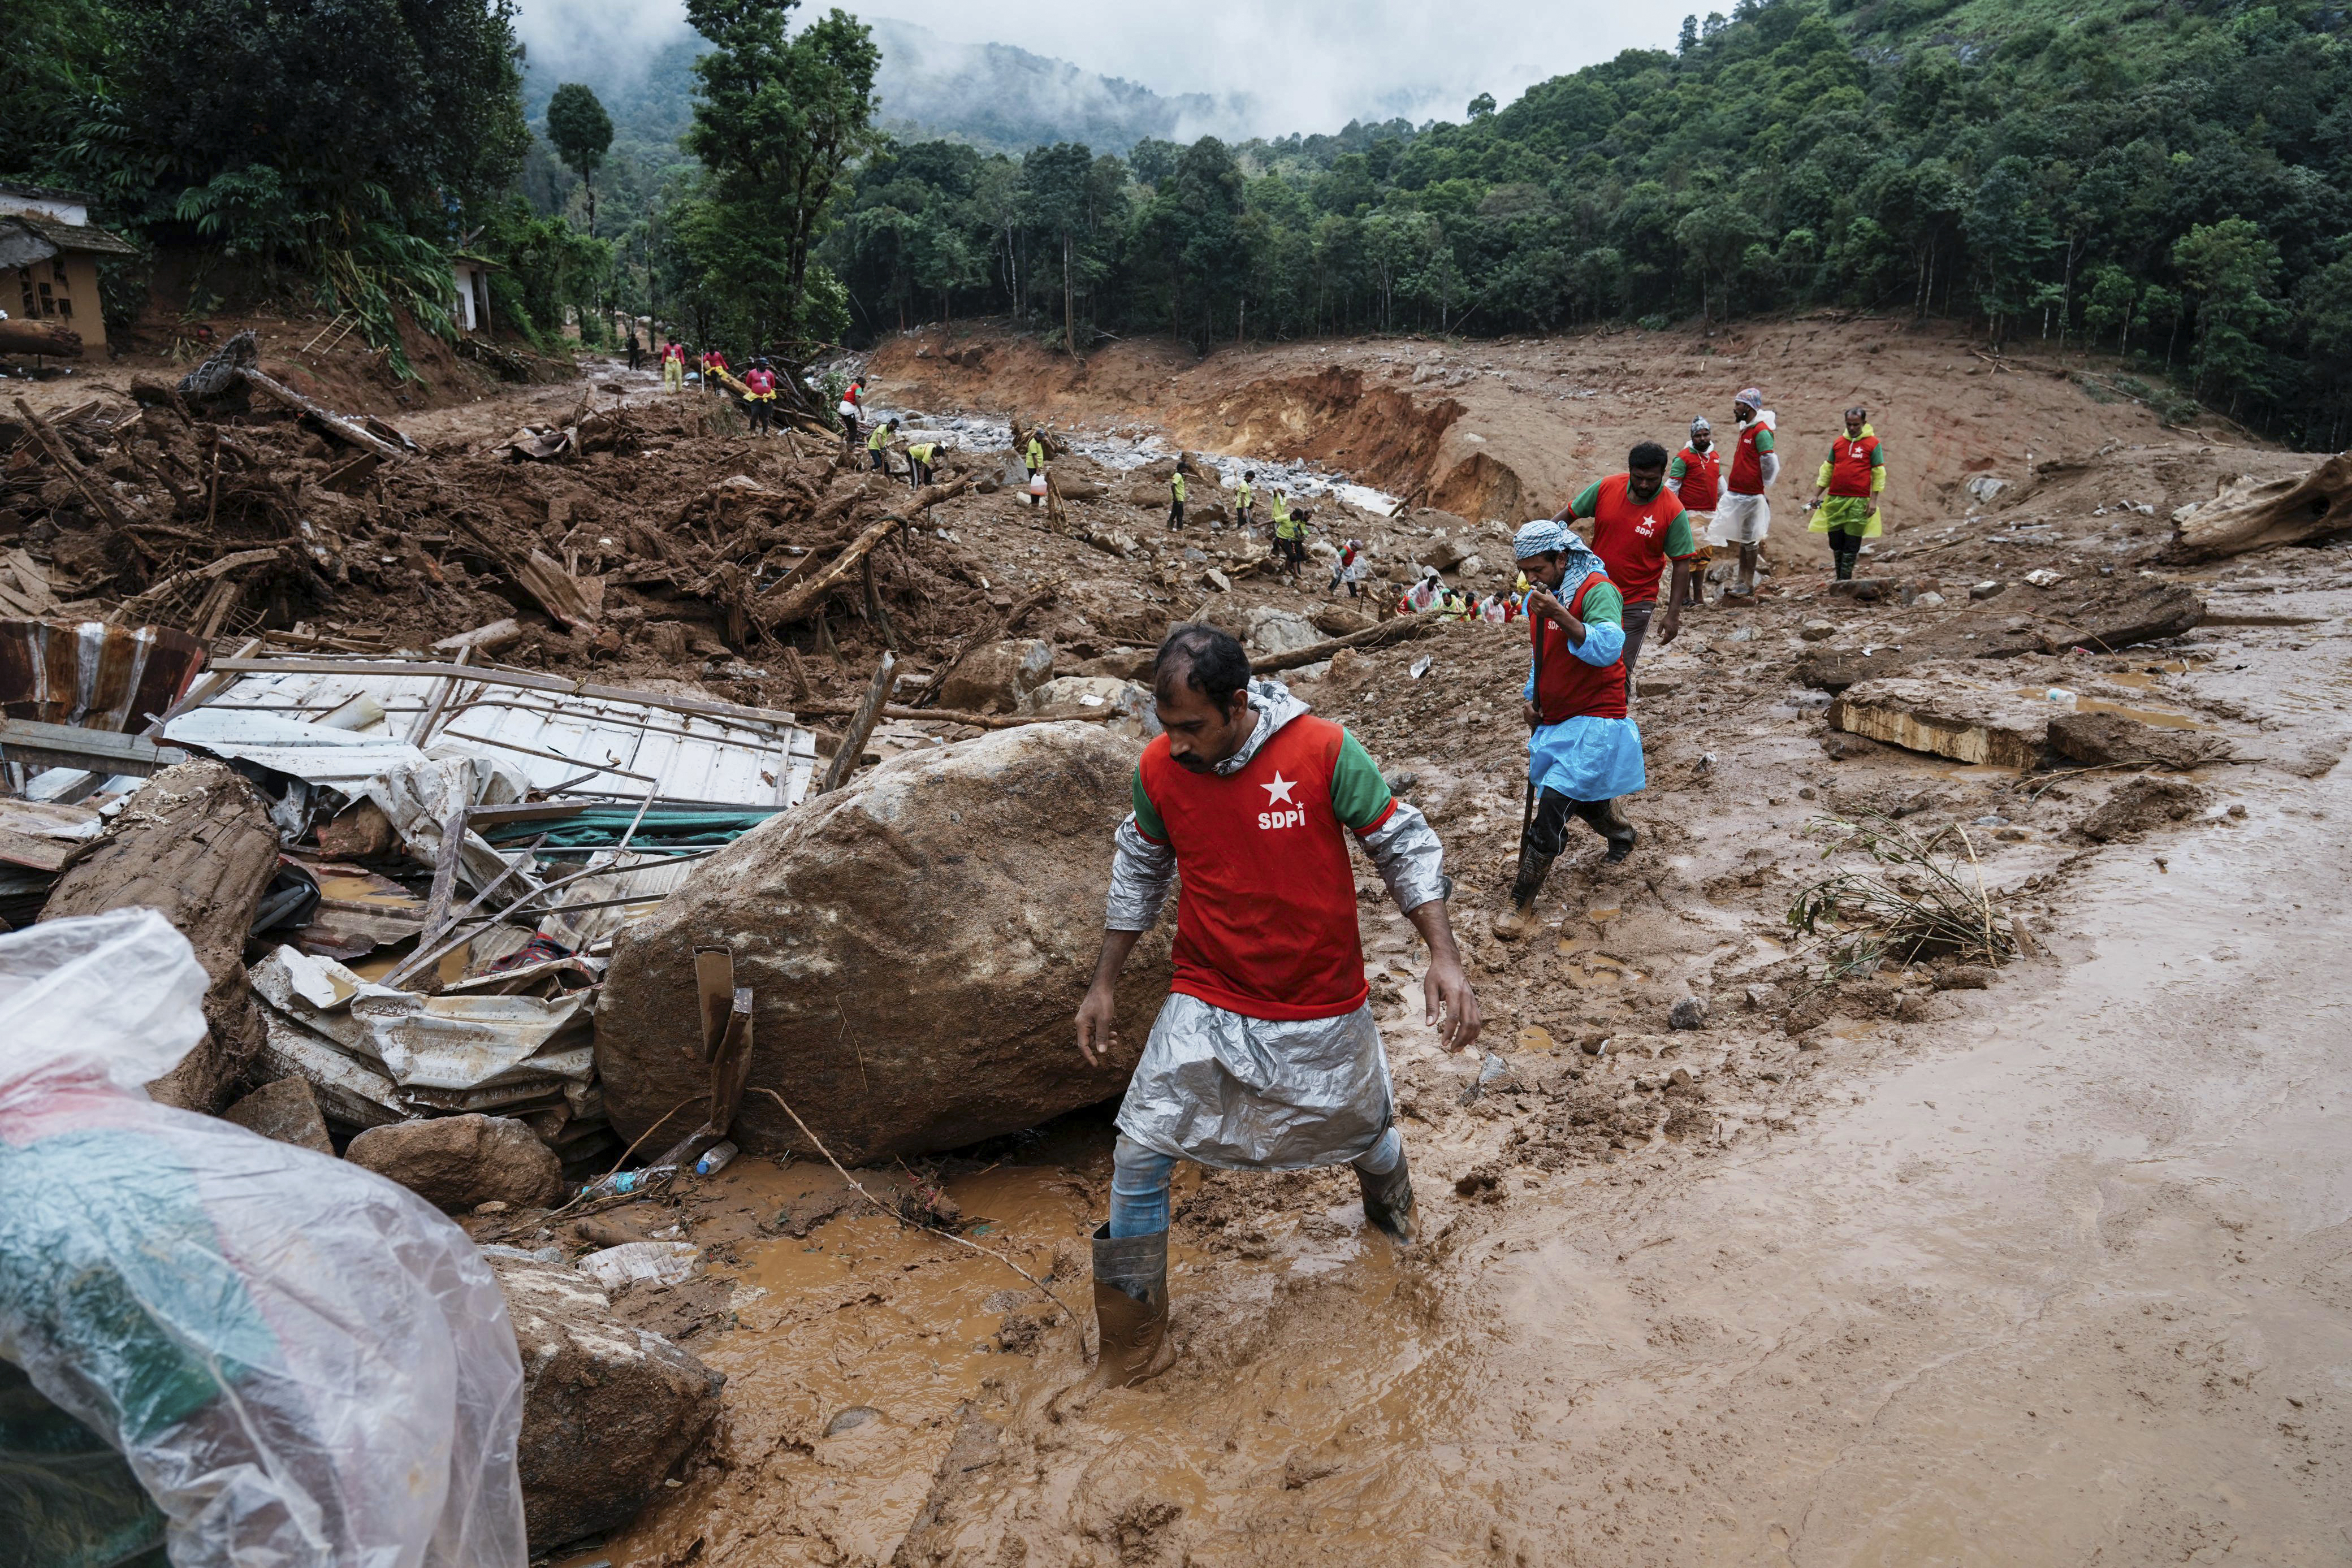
(1264, 1056)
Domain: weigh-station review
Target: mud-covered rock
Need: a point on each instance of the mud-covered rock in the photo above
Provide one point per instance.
(1943, 713)
(2113, 739)
(2140, 805)
(457, 1162)
(917, 945)
(994, 678)
(608, 1410)
(287, 1110)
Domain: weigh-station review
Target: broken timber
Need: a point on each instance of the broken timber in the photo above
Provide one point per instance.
(861, 727)
(2250, 516)
(804, 599)
(1403, 629)
(336, 424)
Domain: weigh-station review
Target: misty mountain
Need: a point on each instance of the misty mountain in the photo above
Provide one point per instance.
(992, 95)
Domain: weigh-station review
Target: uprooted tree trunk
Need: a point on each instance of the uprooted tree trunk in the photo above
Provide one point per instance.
(198, 846)
(17, 337)
(2251, 515)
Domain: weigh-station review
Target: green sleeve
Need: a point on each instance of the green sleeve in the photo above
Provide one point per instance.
(1603, 604)
(1878, 454)
(1764, 439)
(1147, 817)
(1678, 537)
(1588, 501)
(1677, 469)
(1359, 796)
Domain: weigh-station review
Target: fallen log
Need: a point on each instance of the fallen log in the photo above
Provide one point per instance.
(18, 337)
(2250, 516)
(805, 598)
(336, 424)
(1404, 628)
(197, 845)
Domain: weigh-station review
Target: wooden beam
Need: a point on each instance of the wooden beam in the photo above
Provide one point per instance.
(39, 745)
(337, 425)
(93, 490)
(1404, 628)
(800, 600)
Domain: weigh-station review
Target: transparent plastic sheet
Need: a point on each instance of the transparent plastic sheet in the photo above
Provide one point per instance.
(302, 1362)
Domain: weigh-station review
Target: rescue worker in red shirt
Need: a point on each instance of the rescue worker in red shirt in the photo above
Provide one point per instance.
(852, 400)
(1697, 476)
(1845, 495)
(1742, 516)
(1639, 528)
(1265, 1056)
(674, 365)
(759, 395)
(712, 360)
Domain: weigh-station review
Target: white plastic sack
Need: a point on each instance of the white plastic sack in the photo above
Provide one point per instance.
(304, 1363)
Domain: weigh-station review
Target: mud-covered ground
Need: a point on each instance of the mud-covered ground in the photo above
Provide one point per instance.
(1933, 1263)
(1928, 1263)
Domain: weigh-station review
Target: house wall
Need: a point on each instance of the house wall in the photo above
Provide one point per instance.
(63, 290)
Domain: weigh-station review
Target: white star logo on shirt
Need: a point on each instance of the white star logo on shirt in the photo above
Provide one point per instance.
(1280, 789)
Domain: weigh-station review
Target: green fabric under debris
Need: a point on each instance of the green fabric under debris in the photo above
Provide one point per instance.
(663, 826)
(70, 1501)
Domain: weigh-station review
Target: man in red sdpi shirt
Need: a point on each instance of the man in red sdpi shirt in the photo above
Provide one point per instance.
(1264, 1056)
(1639, 530)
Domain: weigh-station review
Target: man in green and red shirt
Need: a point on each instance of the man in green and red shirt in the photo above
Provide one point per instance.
(1845, 497)
(1639, 528)
(1697, 476)
(1265, 1056)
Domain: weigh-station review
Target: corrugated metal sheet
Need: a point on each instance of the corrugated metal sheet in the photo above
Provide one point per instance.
(552, 740)
(93, 675)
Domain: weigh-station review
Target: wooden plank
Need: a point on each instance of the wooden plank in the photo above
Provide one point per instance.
(35, 853)
(706, 707)
(861, 727)
(542, 811)
(38, 745)
(337, 425)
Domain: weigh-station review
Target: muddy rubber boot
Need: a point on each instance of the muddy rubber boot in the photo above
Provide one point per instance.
(1387, 1203)
(1131, 1317)
(1602, 817)
(1520, 918)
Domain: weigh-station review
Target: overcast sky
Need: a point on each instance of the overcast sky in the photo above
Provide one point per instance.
(1312, 65)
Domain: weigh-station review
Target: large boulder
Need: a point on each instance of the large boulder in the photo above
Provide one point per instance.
(1273, 631)
(994, 678)
(917, 945)
(458, 1162)
(607, 1410)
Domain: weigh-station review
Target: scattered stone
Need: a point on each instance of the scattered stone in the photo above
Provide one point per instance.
(1216, 580)
(1122, 664)
(1656, 686)
(1817, 630)
(1984, 487)
(1445, 554)
(1864, 590)
(2140, 805)
(994, 678)
(287, 1110)
(2113, 739)
(457, 1162)
(1927, 601)
(1840, 747)
(1688, 1013)
(1986, 590)
(1339, 621)
(916, 944)
(1273, 631)
(849, 1420)
(2043, 577)
(1941, 713)
(608, 1410)
(1963, 977)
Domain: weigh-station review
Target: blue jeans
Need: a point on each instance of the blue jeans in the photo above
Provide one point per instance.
(1140, 1177)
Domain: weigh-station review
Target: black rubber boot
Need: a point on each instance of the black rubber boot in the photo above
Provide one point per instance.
(1387, 1203)
(1602, 817)
(1131, 1308)
(1534, 866)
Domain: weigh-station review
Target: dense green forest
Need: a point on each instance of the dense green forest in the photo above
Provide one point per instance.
(2163, 178)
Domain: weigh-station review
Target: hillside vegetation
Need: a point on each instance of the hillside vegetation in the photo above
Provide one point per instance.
(2163, 178)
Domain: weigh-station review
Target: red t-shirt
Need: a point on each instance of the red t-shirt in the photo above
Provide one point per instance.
(1702, 477)
(675, 351)
(760, 380)
(1265, 915)
(1746, 463)
(1567, 687)
(1630, 535)
(1850, 465)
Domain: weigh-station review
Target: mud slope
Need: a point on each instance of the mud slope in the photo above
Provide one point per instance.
(1507, 430)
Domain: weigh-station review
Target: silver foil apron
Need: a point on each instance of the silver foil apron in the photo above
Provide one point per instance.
(1247, 1094)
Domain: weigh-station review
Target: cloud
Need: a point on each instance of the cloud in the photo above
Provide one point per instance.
(1300, 64)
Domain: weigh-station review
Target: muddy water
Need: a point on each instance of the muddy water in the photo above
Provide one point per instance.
(2069, 1281)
